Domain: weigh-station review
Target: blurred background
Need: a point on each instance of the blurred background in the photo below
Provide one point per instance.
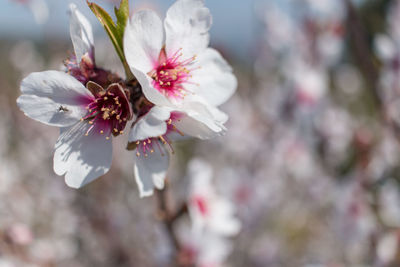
(310, 160)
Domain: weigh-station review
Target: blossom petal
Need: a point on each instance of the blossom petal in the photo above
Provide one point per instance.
(214, 79)
(198, 126)
(209, 115)
(143, 40)
(150, 172)
(81, 158)
(186, 25)
(195, 102)
(81, 34)
(224, 222)
(150, 125)
(151, 93)
(53, 97)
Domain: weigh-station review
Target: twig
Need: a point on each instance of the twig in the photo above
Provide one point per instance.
(167, 217)
(362, 51)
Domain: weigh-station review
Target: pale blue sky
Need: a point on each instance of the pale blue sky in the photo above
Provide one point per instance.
(233, 21)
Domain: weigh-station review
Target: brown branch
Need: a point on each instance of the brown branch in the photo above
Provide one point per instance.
(362, 51)
(167, 216)
(364, 56)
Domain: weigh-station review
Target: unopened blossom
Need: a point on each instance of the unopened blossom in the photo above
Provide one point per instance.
(87, 118)
(173, 63)
(153, 134)
(208, 210)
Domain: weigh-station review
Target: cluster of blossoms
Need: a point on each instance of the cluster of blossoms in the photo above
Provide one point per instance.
(172, 92)
(314, 180)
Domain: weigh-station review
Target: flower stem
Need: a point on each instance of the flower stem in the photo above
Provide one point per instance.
(166, 216)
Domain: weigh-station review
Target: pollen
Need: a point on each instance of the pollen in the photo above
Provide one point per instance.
(108, 114)
(171, 76)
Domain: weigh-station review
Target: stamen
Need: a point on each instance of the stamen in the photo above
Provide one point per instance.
(108, 110)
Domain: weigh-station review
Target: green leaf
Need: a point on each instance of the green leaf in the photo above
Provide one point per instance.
(115, 30)
(122, 15)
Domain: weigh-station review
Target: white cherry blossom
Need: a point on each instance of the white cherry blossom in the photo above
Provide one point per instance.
(182, 70)
(208, 210)
(203, 249)
(154, 133)
(87, 118)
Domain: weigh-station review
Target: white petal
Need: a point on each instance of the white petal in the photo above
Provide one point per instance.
(199, 126)
(150, 172)
(150, 125)
(143, 40)
(81, 33)
(81, 158)
(151, 93)
(53, 97)
(198, 104)
(223, 220)
(207, 114)
(186, 25)
(216, 82)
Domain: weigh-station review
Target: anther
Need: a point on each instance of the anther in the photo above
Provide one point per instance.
(162, 139)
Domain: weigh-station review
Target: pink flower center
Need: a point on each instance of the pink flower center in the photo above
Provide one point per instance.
(201, 203)
(108, 111)
(148, 146)
(171, 73)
